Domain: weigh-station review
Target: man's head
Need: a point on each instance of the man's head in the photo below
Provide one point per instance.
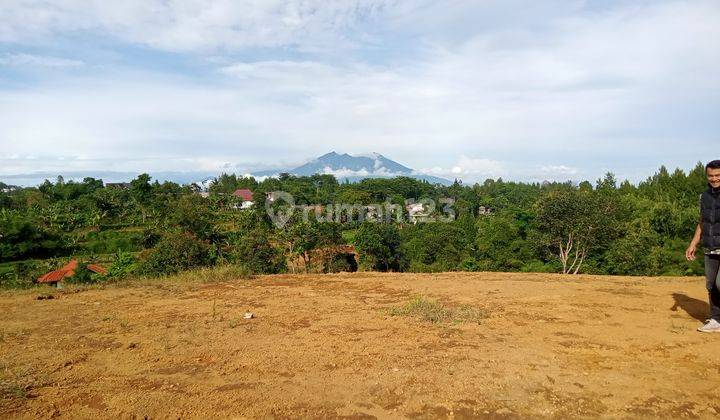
(712, 170)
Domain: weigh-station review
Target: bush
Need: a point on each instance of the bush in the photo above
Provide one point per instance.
(84, 276)
(123, 265)
(254, 251)
(379, 247)
(177, 252)
(24, 274)
(434, 247)
(340, 262)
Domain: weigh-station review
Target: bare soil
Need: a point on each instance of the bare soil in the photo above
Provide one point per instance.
(326, 346)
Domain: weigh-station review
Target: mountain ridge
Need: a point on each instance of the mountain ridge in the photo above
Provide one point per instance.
(354, 168)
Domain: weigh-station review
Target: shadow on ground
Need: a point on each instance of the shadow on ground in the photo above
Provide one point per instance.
(696, 308)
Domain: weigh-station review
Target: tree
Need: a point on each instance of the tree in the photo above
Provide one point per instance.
(500, 245)
(575, 222)
(255, 251)
(434, 246)
(22, 237)
(378, 245)
(192, 215)
(141, 192)
(177, 252)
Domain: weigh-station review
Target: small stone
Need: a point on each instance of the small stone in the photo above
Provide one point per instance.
(249, 315)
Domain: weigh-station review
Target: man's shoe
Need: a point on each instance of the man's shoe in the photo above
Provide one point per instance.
(711, 326)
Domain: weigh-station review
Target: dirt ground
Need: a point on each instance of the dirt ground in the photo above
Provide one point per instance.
(323, 346)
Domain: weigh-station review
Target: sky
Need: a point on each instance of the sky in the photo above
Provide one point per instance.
(523, 90)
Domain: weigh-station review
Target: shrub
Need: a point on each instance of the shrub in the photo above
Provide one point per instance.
(433, 247)
(177, 252)
(379, 247)
(122, 266)
(254, 251)
(340, 262)
(84, 276)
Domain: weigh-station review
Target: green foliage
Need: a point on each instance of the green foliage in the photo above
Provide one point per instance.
(615, 227)
(499, 242)
(433, 246)
(84, 276)
(193, 215)
(177, 252)
(123, 265)
(228, 184)
(254, 251)
(379, 247)
(340, 262)
(573, 223)
(22, 237)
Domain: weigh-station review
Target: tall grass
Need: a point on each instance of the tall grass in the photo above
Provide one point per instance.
(218, 273)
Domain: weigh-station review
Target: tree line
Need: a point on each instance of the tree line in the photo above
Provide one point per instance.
(153, 228)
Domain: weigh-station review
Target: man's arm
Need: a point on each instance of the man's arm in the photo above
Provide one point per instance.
(690, 252)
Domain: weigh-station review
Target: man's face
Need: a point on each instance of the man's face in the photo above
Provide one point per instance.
(713, 176)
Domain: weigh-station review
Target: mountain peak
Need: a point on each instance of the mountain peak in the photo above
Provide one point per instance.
(357, 167)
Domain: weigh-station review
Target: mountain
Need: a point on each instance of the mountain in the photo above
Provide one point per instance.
(355, 168)
(342, 166)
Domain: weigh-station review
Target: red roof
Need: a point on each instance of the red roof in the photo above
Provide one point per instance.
(68, 270)
(244, 193)
(98, 269)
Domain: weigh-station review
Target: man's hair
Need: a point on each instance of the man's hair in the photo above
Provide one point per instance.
(715, 164)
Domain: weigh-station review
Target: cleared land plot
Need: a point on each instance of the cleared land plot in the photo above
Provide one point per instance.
(361, 345)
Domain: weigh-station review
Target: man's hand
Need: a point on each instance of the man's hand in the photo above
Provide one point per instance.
(690, 252)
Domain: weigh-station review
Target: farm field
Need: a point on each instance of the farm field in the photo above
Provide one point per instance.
(362, 345)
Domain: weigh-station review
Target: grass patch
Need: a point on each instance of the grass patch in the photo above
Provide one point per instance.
(199, 275)
(16, 384)
(434, 311)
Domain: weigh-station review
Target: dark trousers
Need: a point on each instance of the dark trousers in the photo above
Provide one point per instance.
(712, 277)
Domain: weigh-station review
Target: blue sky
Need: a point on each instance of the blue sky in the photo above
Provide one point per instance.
(522, 90)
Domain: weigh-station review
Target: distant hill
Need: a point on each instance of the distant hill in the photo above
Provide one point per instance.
(342, 166)
(355, 168)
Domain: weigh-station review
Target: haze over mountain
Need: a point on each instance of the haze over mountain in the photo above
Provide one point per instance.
(354, 168)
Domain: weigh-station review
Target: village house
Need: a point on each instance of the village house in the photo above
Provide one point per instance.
(246, 197)
(55, 277)
(484, 211)
(417, 213)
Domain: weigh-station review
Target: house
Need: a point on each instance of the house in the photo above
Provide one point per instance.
(484, 211)
(246, 196)
(417, 213)
(53, 278)
(372, 213)
(271, 196)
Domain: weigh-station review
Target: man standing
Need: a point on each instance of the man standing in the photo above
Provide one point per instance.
(708, 230)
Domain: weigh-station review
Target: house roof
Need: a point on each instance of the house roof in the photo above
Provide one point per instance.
(97, 269)
(68, 270)
(244, 193)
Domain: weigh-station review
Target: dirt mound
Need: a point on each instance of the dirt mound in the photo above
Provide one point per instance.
(357, 345)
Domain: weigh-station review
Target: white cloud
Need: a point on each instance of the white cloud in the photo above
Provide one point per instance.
(30, 60)
(463, 89)
(559, 170)
(191, 25)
